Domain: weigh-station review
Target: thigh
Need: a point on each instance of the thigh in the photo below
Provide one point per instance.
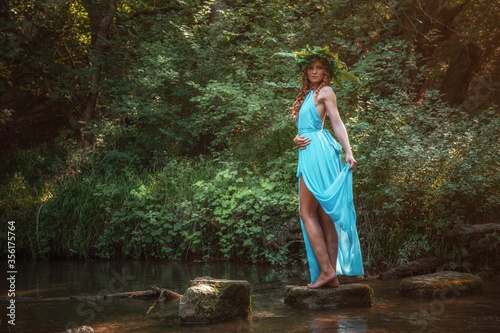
(308, 203)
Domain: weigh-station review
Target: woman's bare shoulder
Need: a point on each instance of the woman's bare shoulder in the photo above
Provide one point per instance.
(326, 92)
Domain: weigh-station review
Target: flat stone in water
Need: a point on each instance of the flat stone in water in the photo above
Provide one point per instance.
(347, 295)
(220, 283)
(446, 283)
(214, 300)
(80, 329)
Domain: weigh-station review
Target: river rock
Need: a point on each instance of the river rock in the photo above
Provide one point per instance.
(213, 300)
(347, 295)
(446, 283)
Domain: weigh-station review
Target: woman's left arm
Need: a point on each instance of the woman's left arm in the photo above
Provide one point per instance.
(327, 96)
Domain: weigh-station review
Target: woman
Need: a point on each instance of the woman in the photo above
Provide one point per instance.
(327, 212)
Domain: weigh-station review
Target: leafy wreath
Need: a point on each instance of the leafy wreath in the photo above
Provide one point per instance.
(307, 55)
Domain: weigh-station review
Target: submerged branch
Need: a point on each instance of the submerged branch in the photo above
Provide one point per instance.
(155, 292)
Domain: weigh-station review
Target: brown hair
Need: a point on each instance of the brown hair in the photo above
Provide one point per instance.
(306, 87)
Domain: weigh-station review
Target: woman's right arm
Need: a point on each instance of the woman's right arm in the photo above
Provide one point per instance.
(301, 141)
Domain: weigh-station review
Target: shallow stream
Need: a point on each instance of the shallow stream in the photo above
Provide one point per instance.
(389, 313)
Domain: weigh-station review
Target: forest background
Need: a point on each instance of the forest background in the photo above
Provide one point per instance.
(161, 129)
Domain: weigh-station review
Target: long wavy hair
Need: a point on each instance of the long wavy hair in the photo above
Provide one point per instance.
(306, 87)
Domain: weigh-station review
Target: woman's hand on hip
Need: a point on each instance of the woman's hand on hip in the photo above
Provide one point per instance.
(301, 141)
(350, 159)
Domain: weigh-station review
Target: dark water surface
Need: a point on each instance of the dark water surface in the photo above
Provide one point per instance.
(389, 313)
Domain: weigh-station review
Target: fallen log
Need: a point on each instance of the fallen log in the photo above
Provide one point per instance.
(459, 229)
(416, 267)
(155, 293)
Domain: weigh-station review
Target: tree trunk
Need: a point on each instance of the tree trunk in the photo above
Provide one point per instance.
(214, 10)
(100, 42)
(431, 24)
(460, 72)
(435, 24)
(4, 11)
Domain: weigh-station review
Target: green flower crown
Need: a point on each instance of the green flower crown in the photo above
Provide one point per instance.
(307, 55)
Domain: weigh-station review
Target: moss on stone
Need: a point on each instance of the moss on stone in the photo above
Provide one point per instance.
(349, 295)
(442, 283)
(212, 300)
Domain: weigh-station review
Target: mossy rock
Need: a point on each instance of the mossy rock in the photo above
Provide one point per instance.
(348, 295)
(213, 300)
(444, 284)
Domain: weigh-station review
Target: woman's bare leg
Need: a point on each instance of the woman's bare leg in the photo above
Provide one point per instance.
(308, 209)
(331, 240)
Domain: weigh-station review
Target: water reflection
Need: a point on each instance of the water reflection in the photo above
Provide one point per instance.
(328, 322)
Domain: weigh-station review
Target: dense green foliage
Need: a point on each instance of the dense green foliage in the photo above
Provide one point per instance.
(193, 155)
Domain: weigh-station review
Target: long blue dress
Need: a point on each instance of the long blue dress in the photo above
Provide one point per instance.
(330, 182)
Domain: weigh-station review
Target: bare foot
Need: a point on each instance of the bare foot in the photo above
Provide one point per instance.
(322, 281)
(334, 283)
